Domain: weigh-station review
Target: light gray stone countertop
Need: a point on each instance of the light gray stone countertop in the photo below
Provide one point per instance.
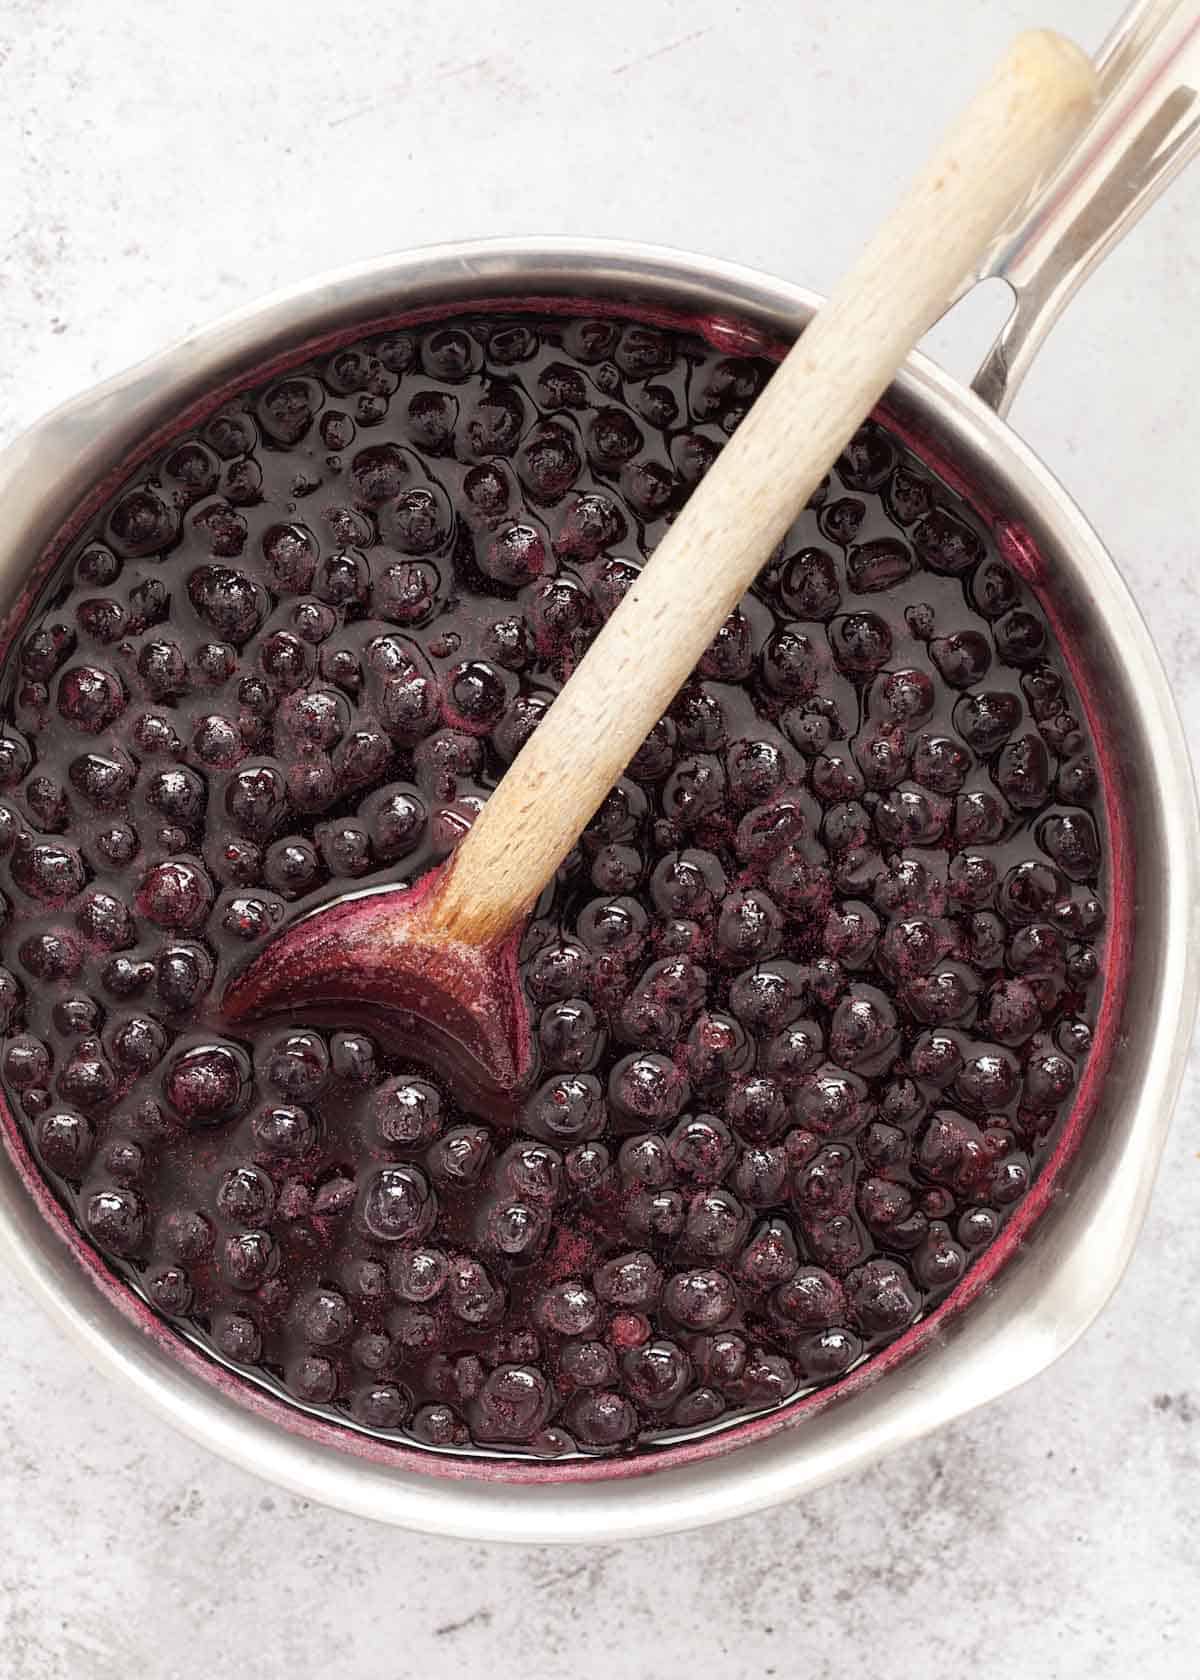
(162, 163)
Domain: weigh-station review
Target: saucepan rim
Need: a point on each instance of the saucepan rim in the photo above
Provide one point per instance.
(1052, 1284)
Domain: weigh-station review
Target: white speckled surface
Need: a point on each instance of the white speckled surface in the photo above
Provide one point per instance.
(159, 164)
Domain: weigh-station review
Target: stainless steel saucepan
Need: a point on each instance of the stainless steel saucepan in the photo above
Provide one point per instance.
(1089, 1207)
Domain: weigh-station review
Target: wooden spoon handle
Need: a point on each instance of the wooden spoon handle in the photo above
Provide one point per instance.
(1016, 127)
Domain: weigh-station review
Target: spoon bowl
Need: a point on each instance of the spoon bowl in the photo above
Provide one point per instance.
(385, 950)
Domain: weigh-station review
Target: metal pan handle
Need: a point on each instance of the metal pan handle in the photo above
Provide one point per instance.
(1146, 129)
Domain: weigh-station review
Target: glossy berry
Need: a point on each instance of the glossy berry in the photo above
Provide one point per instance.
(407, 1113)
(209, 1084)
(700, 1300)
(397, 1204)
(116, 1220)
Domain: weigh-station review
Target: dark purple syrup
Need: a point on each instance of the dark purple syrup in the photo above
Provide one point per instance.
(811, 997)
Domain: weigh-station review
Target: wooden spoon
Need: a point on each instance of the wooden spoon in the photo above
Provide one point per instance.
(445, 950)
